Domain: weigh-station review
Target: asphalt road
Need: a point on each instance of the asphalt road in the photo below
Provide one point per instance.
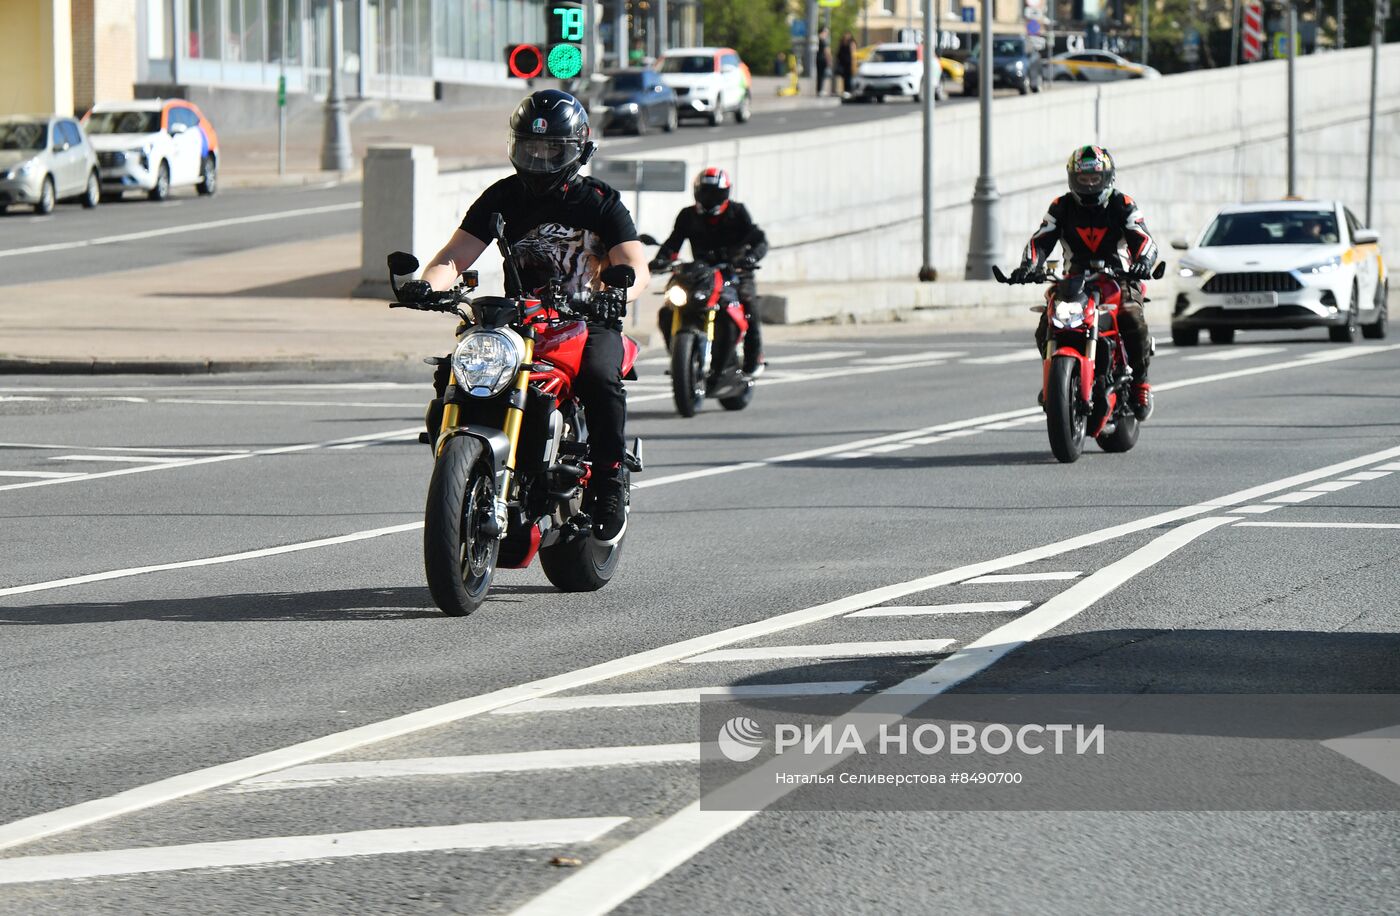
(134, 232)
(199, 571)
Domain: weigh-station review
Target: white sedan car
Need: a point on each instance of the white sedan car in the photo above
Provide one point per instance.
(1281, 264)
(894, 69)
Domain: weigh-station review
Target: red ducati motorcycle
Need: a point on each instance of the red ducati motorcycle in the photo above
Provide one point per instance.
(510, 439)
(1086, 380)
(706, 338)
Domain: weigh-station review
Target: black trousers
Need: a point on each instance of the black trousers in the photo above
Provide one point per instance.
(753, 340)
(1132, 328)
(599, 388)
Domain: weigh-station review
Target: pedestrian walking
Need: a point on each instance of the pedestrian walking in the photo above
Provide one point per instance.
(824, 60)
(846, 63)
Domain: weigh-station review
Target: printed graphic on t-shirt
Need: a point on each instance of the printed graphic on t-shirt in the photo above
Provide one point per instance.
(555, 251)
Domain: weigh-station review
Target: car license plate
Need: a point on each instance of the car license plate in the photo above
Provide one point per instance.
(1249, 300)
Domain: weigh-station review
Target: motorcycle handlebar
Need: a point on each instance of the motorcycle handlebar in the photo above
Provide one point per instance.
(1044, 276)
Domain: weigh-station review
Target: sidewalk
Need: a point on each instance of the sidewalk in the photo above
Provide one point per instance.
(463, 137)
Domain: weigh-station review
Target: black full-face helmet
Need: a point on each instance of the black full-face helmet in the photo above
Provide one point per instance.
(549, 141)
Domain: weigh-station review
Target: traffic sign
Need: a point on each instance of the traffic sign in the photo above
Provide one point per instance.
(828, 2)
(799, 28)
(641, 174)
(1252, 33)
(969, 14)
(1032, 26)
(281, 92)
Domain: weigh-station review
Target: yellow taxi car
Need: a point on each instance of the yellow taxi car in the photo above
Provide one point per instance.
(1097, 67)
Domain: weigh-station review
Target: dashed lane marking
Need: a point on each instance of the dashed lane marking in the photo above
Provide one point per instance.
(871, 649)
(281, 850)
(679, 696)
(1025, 577)
(967, 607)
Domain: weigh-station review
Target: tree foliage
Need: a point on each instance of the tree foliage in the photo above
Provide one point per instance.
(757, 29)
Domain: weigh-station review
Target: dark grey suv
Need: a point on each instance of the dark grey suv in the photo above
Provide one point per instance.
(1015, 65)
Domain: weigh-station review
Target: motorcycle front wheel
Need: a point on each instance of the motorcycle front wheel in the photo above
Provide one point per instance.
(688, 372)
(459, 557)
(1063, 420)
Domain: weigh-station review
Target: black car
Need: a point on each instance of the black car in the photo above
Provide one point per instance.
(1015, 65)
(636, 100)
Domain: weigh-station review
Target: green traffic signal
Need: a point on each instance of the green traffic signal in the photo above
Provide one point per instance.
(565, 61)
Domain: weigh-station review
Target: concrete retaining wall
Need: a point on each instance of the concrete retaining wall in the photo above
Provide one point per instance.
(843, 203)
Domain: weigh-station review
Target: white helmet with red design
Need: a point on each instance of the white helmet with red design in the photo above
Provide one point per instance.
(712, 192)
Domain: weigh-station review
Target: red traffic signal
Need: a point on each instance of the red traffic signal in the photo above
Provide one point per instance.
(524, 62)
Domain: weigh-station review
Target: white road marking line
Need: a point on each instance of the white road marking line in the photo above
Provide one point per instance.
(1367, 475)
(1233, 353)
(476, 764)
(1024, 577)
(1027, 355)
(238, 402)
(900, 359)
(1259, 509)
(121, 459)
(870, 649)
(1317, 358)
(37, 826)
(208, 561)
(43, 474)
(967, 607)
(888, 447)
(1331, 486)
(1371, 525)
(1299, 497)
(682, 696)
(259, 386)
(43, 446)
(277, 850)
(212, 459)
(1387, 467)
(625, 870)
(181, 230)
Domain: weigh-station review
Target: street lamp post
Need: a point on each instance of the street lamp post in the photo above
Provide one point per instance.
(663, 28)
(335, 140)
(982, 249)
(1292, 102)
(1377, 27)
(927, 272)
(1144, 33)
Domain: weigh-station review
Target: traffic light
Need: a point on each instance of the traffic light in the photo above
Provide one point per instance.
(560, 56)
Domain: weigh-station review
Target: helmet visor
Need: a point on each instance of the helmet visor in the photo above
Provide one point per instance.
(543, 155)
(710, 196)
(1089, 183)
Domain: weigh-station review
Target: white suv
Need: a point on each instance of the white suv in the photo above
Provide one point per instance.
(709, 83)
(894, 69)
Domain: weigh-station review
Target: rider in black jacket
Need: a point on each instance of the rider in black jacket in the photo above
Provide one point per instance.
(721, 230)
(1091, 223)
(563, 227)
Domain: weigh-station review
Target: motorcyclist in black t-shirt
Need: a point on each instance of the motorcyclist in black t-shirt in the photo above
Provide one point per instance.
(720, 230)
(566, 228)
(1091, 223)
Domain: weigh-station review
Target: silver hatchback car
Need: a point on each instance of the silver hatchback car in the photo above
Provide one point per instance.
(45, 159)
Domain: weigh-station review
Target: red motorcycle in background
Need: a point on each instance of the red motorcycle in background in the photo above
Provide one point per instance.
(510, 439)
(1086, 380)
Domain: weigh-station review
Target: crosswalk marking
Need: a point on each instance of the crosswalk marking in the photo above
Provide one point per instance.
(275, 850)
(1023, 577)
(1367, 475)
(1299, 497)
(519, 762)
(824, 650)
(683, 695)
(968, 607)
(1258, 509)
(1331, 486)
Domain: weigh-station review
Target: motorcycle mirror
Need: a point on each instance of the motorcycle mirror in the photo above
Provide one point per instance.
(401, 264)
(498, 226)
(646, 239)
(471, 279)
(1160, 270)
(619, 276)
(996, 272)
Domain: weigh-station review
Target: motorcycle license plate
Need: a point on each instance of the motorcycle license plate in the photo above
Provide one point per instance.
(1249, 300)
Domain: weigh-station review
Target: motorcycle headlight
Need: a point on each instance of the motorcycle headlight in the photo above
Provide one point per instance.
(675, 296)
(1322, 267)
(486, 361)
(1068, 314)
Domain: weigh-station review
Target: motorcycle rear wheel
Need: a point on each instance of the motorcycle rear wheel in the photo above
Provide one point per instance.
(738, 401)
(1124, 435)
(580, 565)
(1063, 421)
(687, 373)
(458, 558)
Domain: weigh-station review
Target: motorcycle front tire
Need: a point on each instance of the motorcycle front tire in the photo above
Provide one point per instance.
(687, 372)
(1063, 422)
(462, 486)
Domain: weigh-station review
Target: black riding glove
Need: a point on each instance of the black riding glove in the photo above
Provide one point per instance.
(1021, 274)
(747, 262)
(1140, 269)
(415, 291)
(659, 264)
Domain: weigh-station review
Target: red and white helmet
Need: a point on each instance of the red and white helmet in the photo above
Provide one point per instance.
(712, 192)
